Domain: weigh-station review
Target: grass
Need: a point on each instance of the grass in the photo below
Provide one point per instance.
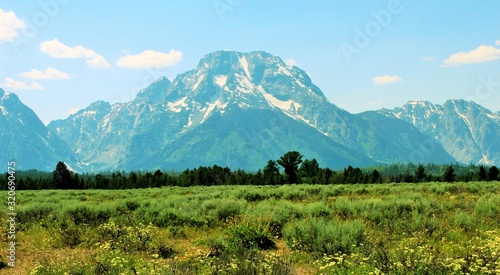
(425, 228)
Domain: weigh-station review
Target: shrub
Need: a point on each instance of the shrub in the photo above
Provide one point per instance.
(165, 251)
(34, 214)
(127, 239)
(170, 217)
(488, 206)
(249, 232)
(464, 221)
(322, 236)
(132, 205)
(318, 209)
(85, 215)
(223, 208)
(279, 213)
(69, 234)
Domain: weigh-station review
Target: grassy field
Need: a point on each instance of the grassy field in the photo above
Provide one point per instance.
(426, 228)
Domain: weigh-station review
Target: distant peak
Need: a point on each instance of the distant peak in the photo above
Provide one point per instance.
(4, 94)
(99, 105)
(162, 79)
(418, 102)
(457, 100)
(8, 96)
(231, 54)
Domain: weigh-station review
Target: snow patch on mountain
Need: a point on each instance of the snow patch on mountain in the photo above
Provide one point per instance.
(4, 111)
(289, 107)
(301, 85)
(177, 106)
(5, 96)
(209, 110)
(244, 84)
(200, 79)
(285, 71)
(485, 160)
(220, 80)
(244, 65)
(89, 113)
(463, 117)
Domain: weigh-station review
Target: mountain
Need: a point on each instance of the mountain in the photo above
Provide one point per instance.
(238, 110)
(468, 131)
(26, 140)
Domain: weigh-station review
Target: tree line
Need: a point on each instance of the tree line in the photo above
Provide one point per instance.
(288, 169)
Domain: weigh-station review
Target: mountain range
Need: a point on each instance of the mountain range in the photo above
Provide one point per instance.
(240, 110)
(25, 139)
(466, 130)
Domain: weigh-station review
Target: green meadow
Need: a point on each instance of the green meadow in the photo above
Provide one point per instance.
(398, 228)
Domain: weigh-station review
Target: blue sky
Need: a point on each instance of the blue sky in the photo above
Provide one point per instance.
(62, 55)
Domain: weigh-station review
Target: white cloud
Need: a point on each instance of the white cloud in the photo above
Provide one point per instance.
(50, 73)
(9, 24)
(497, 42)
(386, 79)
(291, 62)
(428, 59)
(18, 85)
(479, 55)
(56, 49)
(150, 59)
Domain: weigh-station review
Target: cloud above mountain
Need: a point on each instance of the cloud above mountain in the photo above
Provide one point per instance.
(56, 49)
(386, 79)
(50, 73)
(10, 83)
(9, 25)
(150, 59)
(479, 55)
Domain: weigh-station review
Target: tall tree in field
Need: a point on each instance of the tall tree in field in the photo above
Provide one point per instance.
(493, 173)
(482, 173)
(290, 162)
(420, 174)
(449, 174)
(375, 177)
(61, 177)
(309, 168)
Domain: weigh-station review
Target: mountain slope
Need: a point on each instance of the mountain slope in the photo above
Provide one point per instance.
(169, 120)
(468, 131)
(244, 138)
(26, 140)
(412, 146)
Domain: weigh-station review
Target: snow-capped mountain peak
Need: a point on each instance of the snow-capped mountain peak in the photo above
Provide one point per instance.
(464, 128)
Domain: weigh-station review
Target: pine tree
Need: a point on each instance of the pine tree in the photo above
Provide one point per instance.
(420, 174)
(271, 172)
(449, 174)
(290, 162)
(375, 177)
(493, 173)
(309, 168)
(61, 177)
(482, 173)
